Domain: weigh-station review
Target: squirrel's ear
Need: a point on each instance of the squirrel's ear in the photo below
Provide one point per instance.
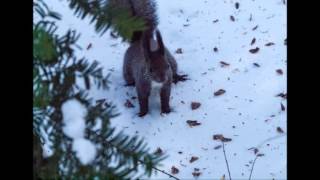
(160, 42)
(146, 46)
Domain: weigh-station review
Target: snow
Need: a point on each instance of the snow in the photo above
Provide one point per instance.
(85, 150)
(73, 118)
(248, 113)
(74, 126)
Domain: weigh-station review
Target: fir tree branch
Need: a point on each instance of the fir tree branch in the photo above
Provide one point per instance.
(105, 16)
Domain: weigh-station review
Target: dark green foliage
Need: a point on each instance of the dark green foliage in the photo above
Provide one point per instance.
(104, 17)
(55, 73)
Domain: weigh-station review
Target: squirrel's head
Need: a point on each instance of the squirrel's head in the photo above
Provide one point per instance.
(158, 65)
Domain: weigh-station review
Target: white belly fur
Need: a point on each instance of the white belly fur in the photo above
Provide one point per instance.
(156, 85)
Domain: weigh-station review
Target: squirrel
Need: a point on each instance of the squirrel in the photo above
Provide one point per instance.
(143, 67)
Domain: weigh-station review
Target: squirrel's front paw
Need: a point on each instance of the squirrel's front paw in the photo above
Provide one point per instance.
(177, 78)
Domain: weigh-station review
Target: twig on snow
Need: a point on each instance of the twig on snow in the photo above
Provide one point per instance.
(225, 157)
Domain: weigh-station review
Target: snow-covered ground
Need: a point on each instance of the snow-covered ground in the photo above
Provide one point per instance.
(248, 112)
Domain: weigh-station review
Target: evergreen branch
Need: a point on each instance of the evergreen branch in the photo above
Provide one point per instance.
(55, 71)
(105, 16)
(162, 171)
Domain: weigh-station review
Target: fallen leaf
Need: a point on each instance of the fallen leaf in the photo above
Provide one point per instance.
(269, 44)
(223, 64)
(279, 130)
(195, 105)
(180, 152)
(217, 147)
(158, 151)
(219, 92)
(253, 29)
(179, 51)
(196, 174)
(215, 21)
(259, 155)
(174, 170)
(89, 46)
(285, 41)
(253, 41)
(232, 18)
(192, 123)
(215, 49)
(255, 150)
(267, 120)
(237, 5)
(284, 96)
(256, 64)
(221, 138)
(255, 50)
(282, 107)
(279, 71)
(186, 25)
(128, 104)
(193, 158)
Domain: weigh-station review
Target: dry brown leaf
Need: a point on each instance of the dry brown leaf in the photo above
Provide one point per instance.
(193, 158)
(215, 21)
(253, 41)
(179, 51)
(195, 105)
(282, 107)
(237, 5)
(256, 27)
(221, 138)
(223, 64)
(89, 46)
(279, 130)
(192, 123)
(219, 92)
(255, 50)
(279, 71)
(174, 170)
(128, 104)
(256, 64)
(196, 174)
(232, 18)
(158, 151)
(269, 44)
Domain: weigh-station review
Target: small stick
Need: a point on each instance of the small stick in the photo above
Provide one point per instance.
(225, 157)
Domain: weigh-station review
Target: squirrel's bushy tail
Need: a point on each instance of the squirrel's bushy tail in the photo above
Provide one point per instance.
(144, 9)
